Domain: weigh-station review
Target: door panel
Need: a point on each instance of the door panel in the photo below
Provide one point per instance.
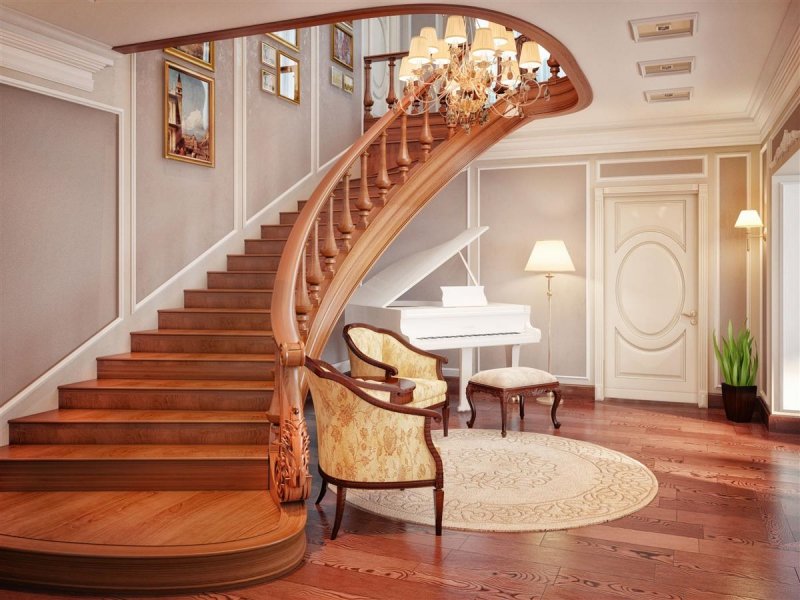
(651, 297)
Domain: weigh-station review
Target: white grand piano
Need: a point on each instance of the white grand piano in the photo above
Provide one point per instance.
(463, 319)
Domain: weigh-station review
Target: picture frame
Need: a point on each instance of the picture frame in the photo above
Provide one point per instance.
(287, 37)
(336, 77)
(188, 115)
(200, 54)
(342, 46)
(269, 55)
(348, 84)
(269, 81)
(288, 75)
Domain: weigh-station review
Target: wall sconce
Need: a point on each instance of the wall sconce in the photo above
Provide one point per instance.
(750, 219)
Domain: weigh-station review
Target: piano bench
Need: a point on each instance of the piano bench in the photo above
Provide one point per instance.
(504, 384)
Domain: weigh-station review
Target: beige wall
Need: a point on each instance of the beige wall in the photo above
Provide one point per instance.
(58, 231)
(733, 192)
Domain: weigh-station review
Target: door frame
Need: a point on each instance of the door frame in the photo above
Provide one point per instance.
(703, 276)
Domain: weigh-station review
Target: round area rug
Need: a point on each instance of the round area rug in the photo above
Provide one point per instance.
(524, 482)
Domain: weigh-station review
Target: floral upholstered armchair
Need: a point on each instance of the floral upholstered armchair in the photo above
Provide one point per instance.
(381, 353)
(367, 440)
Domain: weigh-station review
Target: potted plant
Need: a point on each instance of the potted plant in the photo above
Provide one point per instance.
(738, 359)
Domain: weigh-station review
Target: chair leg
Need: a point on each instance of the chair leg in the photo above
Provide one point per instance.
(556, 402)
(473, 414)
(322, 491)
(503, 407)
(446, 416)
(522, 406)
(438, 503)
(341, 494)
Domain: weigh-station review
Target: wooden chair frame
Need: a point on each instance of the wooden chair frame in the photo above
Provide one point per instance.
(503, 395)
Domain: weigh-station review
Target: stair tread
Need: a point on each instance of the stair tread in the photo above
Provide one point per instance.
(201, 310)
(218, 332)
(26, 452)
(162, 384)
(101, 415)
(260, 255)
(198, 356)
(230, 290)
(273, 271)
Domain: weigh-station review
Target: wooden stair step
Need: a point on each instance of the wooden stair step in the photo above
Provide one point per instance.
(275, 232)
(214, 318)
(259, 246)
(251, 280)
(105, 426)
(253, 262)
(227, 298)
(155, 542)
(216, 341)
(176, 365)
(289, 218)
(51, 467)
(167, 394)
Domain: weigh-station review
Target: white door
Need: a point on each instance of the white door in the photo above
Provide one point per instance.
(650, 297)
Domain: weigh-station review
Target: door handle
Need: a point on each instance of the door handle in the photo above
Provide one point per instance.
(691, 315)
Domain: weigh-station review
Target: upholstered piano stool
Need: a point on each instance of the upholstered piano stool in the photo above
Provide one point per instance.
(504, 384)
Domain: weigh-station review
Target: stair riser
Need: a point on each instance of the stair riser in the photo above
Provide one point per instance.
(181, 320)
(281, 232)
(184, 369)
(253, 263)
(139, 433)
(243, 281)
(133, 475)
(214, 299)
(165, 400)
(216, 344)
(263, 246)
(291, 218)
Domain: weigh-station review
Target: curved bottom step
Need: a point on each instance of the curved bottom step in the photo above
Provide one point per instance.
(147, 541)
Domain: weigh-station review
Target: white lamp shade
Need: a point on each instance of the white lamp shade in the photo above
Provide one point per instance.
(748, 219)
(442, 54)
(419, 54)
(510, 48)
(456, 30)
(483, 45)
(498, 34)
(529, 56)
(429, 33)
(406, 70)
(550, 256)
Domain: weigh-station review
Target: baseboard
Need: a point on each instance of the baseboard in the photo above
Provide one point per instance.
(777, 423)
(573, 391)
(714, 400)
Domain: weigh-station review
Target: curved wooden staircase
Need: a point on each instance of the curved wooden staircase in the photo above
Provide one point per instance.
(184, 465)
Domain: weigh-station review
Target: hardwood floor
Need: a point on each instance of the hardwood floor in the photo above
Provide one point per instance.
(725, 524)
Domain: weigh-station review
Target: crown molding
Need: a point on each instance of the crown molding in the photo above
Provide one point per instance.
(37, 48)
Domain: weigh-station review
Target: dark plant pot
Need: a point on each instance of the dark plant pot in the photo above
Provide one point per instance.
(739, 402)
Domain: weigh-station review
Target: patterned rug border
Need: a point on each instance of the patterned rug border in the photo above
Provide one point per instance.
(361, 498)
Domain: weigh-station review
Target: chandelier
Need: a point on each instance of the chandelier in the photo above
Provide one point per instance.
(470, 79)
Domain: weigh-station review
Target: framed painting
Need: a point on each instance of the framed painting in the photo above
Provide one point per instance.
(288, 78)
(336, 77)
(269, 56)
(201, 54)
(269, 82)
(288, 37)
(348, 84)
(342, 45)
(188, 115)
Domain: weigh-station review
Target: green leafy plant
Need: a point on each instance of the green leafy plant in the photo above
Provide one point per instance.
(738, 358)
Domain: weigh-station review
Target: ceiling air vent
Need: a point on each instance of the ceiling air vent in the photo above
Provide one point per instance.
(663, 27)
(671, 66)
(672, 95)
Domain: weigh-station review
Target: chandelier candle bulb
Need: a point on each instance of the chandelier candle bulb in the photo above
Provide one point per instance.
(483, 45)
(429, 33)
(529, 57)
(456, 31)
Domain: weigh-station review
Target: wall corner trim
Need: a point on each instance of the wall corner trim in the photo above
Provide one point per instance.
(37, 48)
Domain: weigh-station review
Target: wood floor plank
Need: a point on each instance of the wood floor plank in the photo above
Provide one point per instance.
(736, 567)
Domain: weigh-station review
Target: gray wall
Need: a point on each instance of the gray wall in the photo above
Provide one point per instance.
(58, 231)
(181, 208)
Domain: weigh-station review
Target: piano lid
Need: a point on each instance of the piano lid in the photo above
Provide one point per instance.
(388, 285)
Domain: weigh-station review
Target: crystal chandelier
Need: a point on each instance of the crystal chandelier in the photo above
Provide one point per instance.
(470, 79)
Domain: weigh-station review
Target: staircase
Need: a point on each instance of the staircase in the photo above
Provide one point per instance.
(184, 465)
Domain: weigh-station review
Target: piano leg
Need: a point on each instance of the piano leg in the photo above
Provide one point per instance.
(512, 355)
(463, 378)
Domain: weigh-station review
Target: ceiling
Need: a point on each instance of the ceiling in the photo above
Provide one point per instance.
(738, 46)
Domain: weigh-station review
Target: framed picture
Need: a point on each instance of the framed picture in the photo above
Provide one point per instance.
(269, 82)
(348, 84)
(342, 46)
(289, 37)
(201, 54)
(269, 56)
(288, 78)
(336, 77)
(188, 115)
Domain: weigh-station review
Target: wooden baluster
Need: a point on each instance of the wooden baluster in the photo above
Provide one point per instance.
(346, 226)
(364, 203)
(403, 158)
(554, 67)
(382, 182)
(329, 249)
(303, 303)
(391, 97)
(314, 277)
(368, 100)
(425, 136)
